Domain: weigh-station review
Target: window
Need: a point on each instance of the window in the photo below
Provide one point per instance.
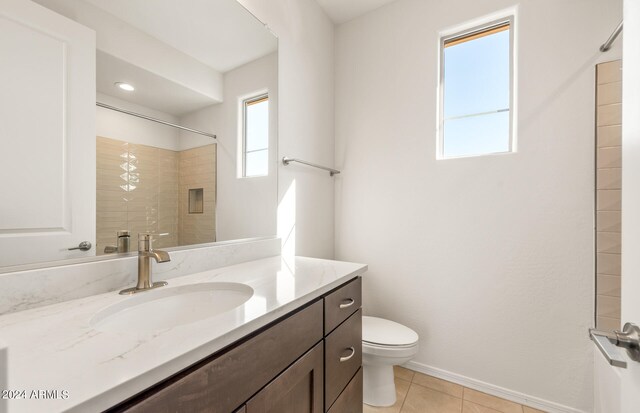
(255, 136)
(476, 91)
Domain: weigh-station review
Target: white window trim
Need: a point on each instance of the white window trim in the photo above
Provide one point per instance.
(464, 31)
(243, 132)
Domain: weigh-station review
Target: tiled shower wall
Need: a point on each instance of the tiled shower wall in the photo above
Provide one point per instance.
(608, 193)
(139, 187)
(197, 170)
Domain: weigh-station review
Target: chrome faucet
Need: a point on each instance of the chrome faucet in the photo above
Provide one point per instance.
(145, 253)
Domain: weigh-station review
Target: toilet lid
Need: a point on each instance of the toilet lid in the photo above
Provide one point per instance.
(386, 332)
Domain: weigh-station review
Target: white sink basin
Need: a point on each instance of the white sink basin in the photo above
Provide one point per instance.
(169, 307)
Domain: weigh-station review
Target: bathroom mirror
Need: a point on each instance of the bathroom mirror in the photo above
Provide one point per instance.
(185, 133)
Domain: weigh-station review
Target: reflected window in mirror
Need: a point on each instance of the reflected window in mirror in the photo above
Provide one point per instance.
(255, 136)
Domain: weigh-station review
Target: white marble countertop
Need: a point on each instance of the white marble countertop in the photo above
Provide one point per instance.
(54, 347)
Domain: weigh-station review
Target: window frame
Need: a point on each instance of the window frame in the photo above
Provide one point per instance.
(255, 98)
(467, 32)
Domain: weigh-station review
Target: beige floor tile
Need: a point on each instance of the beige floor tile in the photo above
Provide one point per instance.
(532, 410)
(402, 387)
(496, 403)
(402, 373)
(468, 407)
(423, 400)
(438, 384)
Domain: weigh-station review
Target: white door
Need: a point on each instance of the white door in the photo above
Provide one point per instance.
(630, 377)
(47, 135)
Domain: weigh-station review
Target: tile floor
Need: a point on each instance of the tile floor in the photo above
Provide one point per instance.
(419, 393)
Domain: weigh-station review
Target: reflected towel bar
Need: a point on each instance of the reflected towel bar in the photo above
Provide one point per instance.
(139, 115)
(286, 161)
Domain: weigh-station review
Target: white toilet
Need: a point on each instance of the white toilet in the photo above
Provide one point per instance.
(385, 344)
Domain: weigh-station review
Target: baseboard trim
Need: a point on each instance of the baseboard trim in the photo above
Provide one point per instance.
(498, 391)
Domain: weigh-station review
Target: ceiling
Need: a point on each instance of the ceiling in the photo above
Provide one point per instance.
(218, 33)
(341, 11)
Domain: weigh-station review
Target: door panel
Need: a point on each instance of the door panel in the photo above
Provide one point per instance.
(630, 377)
(47, 129)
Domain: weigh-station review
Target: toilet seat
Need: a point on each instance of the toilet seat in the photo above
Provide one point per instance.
(380, 332)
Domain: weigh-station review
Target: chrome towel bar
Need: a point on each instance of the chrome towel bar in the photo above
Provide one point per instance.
(286, 161)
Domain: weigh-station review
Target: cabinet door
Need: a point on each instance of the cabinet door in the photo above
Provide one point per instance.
(350, 401)
(299, 389)
(47, 132)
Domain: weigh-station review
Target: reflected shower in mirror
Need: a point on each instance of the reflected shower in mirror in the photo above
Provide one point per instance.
(194, 66)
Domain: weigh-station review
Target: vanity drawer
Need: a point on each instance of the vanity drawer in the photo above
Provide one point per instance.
(222, 384)
(343, 356)
(340, 304)
(350, 401)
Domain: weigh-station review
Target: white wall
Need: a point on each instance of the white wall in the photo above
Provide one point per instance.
(489, 259)
(246, 207)
(305, 124)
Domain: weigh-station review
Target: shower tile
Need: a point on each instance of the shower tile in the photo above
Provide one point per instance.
(609, 221)
(609, 115)
(609, 178)
(608, 306)
(610, 157)
(609, 242)
(609, 136)
(609, 93)
(608, 285)
(608, 200)
(608, 264)
(608, 324)
(609, 72)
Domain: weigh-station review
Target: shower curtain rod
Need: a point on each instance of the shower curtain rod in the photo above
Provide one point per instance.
(607, 45)
(139, 115)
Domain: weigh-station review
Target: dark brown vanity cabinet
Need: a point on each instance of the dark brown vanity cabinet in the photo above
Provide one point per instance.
(296, 390)
(308, 361)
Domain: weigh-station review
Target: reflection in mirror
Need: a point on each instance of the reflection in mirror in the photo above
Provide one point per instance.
(207, 66)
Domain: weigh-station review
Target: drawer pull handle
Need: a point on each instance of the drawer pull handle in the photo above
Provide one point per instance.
(345, 358)
(349, 302)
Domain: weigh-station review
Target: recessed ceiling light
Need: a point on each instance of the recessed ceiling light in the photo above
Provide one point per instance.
(125, 86)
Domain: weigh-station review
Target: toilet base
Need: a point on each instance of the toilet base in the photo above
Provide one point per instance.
(379, 387)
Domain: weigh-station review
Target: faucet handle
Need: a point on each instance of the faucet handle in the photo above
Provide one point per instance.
(145, 241)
